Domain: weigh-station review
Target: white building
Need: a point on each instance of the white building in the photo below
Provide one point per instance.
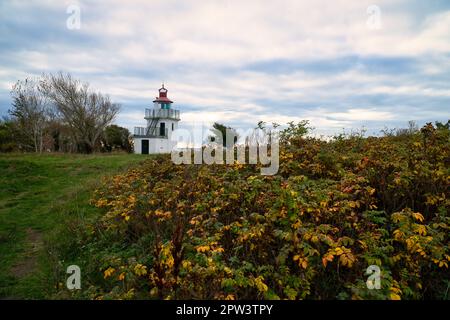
(162, 120)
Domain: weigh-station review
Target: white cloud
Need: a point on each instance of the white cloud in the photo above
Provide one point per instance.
(361, 114)
(202, 51)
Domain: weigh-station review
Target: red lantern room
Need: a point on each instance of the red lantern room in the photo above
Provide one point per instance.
(162, 100)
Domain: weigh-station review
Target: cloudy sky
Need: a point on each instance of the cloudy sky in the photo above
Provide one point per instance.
(340, 64)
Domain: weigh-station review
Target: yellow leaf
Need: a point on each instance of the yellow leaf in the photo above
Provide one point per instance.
(260, 284)
(304, 263)
(418, 216)
(398, 235)
(219, 249)
(395, 296)
(108, 272)
(327, 258)
(140, 270)
(421, 229)
(203, 248)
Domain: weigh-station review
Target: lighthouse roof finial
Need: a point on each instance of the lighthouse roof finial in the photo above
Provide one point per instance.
(162, 95)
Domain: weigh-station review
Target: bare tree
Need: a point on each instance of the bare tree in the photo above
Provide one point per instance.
(87, 113)
(30, 109)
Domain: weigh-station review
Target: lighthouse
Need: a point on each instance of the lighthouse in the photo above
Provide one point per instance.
(162, 120)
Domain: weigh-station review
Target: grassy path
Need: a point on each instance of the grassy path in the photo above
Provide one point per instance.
(38, 193)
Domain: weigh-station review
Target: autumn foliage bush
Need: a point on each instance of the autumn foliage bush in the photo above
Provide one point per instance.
(310, 232)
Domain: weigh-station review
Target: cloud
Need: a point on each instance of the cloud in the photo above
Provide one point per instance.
(242, 61)
(361, 114)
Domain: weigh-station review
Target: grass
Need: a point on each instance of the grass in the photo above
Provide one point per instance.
(39, 194)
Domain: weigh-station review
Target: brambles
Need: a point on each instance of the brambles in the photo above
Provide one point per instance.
(310, 232)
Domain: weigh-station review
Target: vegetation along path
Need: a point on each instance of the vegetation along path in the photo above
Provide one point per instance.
(40, 194)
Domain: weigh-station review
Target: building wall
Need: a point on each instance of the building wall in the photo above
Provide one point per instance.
(155, 145)
(137, 146)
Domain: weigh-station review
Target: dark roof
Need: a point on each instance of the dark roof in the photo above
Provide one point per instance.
(163, 99)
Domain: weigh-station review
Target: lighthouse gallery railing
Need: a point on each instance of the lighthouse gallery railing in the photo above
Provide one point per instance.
(143, 132)
(162, 113)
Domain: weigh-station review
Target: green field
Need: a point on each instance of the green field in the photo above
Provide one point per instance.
(40, 194)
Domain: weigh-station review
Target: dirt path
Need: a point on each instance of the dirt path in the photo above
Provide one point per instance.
(28, 262)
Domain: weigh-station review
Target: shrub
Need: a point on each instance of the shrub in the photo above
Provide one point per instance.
(310, 232)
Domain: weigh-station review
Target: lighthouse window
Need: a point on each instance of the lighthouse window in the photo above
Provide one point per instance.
(172, 126)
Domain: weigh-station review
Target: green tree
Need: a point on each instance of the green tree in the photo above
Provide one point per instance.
(223, 130)
(294, 131)
(116, 137)
(443, 126)
(8, 142)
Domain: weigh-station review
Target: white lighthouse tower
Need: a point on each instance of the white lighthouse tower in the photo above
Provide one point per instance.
(162, 120)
